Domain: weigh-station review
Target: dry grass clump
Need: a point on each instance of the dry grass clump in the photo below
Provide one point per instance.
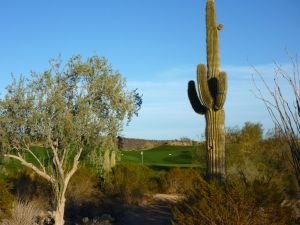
(23, 213)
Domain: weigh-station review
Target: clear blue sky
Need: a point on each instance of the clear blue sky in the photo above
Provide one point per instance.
(156, 45)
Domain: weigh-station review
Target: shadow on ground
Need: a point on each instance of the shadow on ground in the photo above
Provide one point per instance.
(155, 212)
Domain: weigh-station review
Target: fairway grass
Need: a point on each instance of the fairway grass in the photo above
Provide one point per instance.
(163, 156)
(159, 158)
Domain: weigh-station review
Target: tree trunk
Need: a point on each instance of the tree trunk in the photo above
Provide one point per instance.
(60, 211)
(215, 144)
(61, 202)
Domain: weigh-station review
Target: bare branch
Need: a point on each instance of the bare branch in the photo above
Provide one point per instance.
(31, 166)
(75, 164)
(57, 162)
(36, 158)
(284, 113)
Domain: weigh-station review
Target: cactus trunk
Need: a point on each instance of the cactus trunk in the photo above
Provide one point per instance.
(215, 144)
(212, 89)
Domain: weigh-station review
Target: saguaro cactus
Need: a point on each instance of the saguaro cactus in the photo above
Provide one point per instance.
(212, 88)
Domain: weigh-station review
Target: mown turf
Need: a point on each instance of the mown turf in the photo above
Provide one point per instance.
(13, 165)
(160, 158)
(164, 156)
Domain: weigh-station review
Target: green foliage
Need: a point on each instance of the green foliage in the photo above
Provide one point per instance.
(129, 183)
(252, 131)
(179, 180)
(248, 136)
(251, 134)
(236, 202)
(212, 90)
(73, 108)
(82, 100)
(254, 157)
(243, 142)
(6, 200)
(243, 147)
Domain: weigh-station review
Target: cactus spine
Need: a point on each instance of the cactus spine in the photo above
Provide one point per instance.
(212, 88)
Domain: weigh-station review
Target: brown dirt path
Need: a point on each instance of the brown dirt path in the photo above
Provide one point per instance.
(157, 211)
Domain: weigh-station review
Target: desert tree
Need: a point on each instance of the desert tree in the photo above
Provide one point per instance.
(282, 101)
(72, 110)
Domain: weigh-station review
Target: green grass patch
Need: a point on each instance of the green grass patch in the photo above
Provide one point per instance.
(9, 166)
(164, 157)
(160, 158)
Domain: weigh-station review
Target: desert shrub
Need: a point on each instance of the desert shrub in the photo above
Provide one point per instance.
(84, 186)
(251, 132)
(232, 135)
(6, 200)
(30, 187)
(238, 202)
(83, 194)
(23, 213)
(275, 156)
(247, 137)
(243, 147)
(179, 180)
(248, 153)
(266, 159)
(129, 183)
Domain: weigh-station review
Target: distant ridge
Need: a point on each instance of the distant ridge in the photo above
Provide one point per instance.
(135, 144)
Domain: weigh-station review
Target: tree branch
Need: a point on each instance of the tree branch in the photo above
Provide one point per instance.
(75, 165)
(31, 166)
(57, 162)
(36, 158)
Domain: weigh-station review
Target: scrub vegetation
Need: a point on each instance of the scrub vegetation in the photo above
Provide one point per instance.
(62, 160)
(260, 185)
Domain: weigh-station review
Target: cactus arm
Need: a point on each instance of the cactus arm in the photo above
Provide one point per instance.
(194, 100)
(221, 90)
(203, 88)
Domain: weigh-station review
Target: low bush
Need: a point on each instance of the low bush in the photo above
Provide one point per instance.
(83, 195)
(179, 180)
(30, 187)
(248, 154)
(84, 186)
(6, 200)
(23, 213)
(238, 202)
(129, 183)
